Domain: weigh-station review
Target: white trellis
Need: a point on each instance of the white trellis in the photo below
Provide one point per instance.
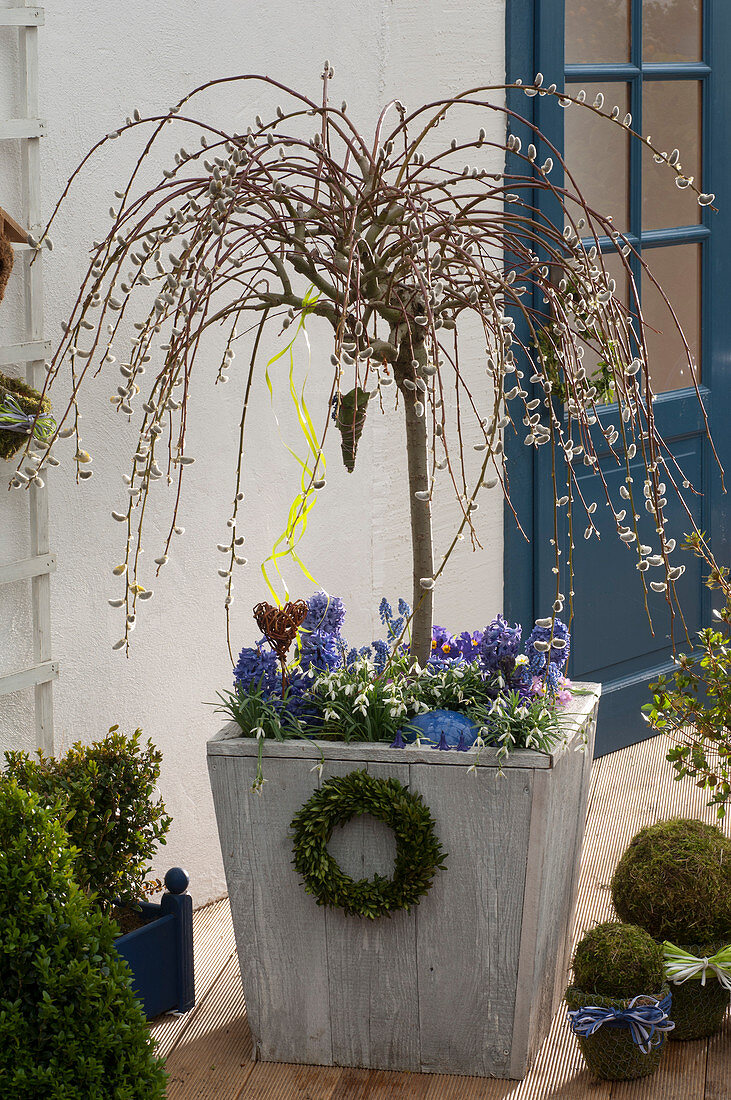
(32, 352)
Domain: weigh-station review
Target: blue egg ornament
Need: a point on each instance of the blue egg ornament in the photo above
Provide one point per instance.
(444, 729)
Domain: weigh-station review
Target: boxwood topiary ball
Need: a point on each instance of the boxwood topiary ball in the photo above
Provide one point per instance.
(674, 880)
(618, 960)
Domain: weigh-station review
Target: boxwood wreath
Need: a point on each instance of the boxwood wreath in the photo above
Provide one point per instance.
(419, 854)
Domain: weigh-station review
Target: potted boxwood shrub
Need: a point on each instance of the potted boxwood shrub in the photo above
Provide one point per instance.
(674, 880)
(105, 797)
(620, 1003)
(69, 1022)
(395, 240)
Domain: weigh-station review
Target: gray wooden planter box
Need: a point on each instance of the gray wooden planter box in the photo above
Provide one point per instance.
(468, 981)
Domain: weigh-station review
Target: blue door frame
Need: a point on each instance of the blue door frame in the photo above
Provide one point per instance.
(534, 43)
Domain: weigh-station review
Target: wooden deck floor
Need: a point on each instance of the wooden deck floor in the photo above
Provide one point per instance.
(209, 1051)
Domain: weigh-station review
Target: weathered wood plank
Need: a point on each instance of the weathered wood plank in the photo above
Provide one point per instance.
(374, 1006)
(557, 830)
(367, 752)
(280, 934)
(469, 925)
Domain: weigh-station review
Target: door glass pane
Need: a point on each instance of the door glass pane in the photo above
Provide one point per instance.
(671, 30)
(597, 368)
(597, 30)
(671, 115)
(678, 271)
(597, 154)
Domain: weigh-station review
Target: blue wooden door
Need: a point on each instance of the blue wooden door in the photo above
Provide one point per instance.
(667, 63)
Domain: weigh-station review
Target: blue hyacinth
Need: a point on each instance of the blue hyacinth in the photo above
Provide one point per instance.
(499, 647)
(324, 613)
(558, 657)
(257, 668)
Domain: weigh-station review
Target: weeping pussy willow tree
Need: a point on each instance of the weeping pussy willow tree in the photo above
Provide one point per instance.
(392, 240)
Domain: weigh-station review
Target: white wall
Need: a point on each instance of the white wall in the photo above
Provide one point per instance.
(99, 60)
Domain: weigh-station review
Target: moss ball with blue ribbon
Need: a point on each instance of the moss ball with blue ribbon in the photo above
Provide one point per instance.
(419, 854)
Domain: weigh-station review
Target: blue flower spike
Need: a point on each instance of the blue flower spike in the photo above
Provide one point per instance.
(398, 742)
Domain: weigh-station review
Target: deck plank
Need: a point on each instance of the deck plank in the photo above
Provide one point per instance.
(718, 1066)
(209, 1050)
(214, 1056)
(213, 946)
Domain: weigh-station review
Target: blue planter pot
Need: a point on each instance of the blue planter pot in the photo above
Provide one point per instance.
(160, 954)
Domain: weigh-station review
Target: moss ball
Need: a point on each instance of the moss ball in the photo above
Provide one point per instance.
(674, 881)
(29, 401)
(618, 960)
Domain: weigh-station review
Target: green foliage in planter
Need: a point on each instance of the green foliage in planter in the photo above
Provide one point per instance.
(107, 794)
(674, 880)
(29, 401)
(70, 1026)
(692, 706)
(618, 960)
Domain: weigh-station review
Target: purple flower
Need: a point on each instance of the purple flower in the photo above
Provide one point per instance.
(499, 646)
(325, 614)
(320, 650)
(444, 648)
(558, 656)
(258, 668)
(469, 644)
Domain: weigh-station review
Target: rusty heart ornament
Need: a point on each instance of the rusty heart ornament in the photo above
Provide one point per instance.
(279, 625)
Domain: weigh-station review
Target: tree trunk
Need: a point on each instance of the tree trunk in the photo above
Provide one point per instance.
(417, 452)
